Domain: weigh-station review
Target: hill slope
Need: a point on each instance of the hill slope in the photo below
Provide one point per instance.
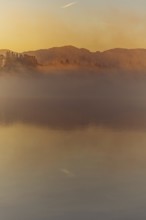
(69, 57)
(114, 59)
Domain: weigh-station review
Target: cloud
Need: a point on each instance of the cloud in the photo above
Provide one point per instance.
(67, 172)
(69, 5)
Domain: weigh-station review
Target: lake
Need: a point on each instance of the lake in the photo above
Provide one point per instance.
(72, 148)
(87, 173)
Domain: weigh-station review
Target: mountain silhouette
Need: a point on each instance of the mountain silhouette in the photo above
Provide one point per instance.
(69, 57)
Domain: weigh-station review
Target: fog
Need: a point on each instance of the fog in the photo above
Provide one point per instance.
(69, 101)
(72, 146)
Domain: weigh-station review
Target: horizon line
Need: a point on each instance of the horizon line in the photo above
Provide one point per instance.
(84, 48)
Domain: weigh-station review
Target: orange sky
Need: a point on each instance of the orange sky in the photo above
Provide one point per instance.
(29, 25)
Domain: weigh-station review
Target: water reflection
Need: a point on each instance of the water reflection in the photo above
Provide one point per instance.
(84, 173)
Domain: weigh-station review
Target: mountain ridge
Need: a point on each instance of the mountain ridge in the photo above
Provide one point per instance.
(113, 59)
(68, 57)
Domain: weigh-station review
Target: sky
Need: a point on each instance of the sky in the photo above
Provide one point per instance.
(92, 24)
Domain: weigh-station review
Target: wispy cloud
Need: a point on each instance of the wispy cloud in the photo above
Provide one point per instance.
(67, 172)
(69, 5)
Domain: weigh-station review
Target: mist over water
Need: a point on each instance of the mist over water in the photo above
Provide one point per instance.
(69, 101)
(73, 147)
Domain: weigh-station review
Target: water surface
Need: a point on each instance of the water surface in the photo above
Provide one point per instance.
(73, 147)
(86, 173)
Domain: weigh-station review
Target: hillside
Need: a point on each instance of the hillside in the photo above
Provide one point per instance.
(114, 59)
(12, 61)
(69, 57)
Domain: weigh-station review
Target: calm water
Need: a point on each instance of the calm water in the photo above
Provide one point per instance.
(73, 148)
(60, 174)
